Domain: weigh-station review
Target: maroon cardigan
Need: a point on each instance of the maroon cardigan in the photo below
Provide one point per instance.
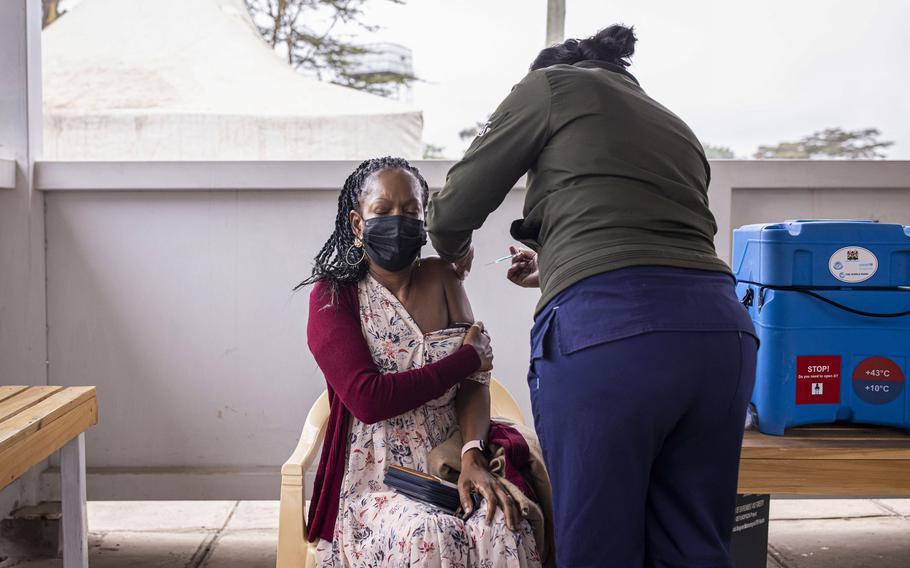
(356, 387)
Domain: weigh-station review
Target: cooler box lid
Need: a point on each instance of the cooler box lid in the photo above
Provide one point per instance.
(823, 253)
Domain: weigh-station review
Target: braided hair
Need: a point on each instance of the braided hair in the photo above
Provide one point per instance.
(331, 263)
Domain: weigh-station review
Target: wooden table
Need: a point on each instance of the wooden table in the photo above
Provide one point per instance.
(34, 423)
(830, 460)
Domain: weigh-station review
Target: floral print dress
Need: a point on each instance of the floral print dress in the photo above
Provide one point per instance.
(378, 527)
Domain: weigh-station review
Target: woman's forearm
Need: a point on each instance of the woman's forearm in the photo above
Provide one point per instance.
(337, 343)
(472, 405)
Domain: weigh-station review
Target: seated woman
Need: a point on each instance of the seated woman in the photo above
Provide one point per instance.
(402, 375)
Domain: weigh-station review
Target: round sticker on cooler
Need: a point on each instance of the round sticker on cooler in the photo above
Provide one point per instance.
(878, 380)
(853, 264)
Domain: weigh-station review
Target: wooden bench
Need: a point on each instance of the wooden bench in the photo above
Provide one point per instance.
(829, 460)
(34, 423)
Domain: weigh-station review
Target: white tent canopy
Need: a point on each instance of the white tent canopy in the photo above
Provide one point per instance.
(192, 80)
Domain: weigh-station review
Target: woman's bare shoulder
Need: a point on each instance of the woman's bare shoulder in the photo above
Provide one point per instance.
(435, 267)
(443, 273)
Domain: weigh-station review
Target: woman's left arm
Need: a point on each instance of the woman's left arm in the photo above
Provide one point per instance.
(502, 152)
(472, 403)
(472, 407)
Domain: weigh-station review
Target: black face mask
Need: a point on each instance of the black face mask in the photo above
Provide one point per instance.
(393, 242)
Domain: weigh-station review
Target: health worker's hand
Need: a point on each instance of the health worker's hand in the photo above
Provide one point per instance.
(524, 270)
(463, 265)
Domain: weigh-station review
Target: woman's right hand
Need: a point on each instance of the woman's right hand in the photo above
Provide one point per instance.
(480, 341)
(524, 271)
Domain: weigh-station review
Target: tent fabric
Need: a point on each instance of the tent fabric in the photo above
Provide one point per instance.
(193, 80)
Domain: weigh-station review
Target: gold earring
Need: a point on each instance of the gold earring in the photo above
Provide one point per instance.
(358, 243)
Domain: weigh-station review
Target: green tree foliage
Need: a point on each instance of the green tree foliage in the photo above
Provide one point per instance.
(718, 152)
(830, 143)
(305, 31)
(433, 152)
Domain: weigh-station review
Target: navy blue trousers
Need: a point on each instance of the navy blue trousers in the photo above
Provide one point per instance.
(642, 436)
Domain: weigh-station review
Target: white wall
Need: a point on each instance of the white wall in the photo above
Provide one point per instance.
(176, 301)
(176, 304)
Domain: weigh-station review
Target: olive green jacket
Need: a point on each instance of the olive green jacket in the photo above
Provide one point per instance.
(614, 178)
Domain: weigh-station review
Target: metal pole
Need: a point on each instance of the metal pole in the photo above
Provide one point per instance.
(556, 21)
(23, 305)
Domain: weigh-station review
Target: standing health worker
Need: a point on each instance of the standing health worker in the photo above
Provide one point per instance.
(642, 359)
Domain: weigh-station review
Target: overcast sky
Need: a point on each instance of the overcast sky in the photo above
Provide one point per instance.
(740, 73)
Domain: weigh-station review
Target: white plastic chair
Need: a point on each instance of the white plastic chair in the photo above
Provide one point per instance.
(293, 549)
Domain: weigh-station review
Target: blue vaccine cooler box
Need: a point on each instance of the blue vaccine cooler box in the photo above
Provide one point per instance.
(830, 301)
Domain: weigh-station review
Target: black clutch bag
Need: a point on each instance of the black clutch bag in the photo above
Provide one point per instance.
(426, 488)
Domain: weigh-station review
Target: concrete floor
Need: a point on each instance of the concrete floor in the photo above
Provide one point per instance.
(826, 533)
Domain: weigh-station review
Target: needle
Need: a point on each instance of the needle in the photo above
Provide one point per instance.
(503, 259)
